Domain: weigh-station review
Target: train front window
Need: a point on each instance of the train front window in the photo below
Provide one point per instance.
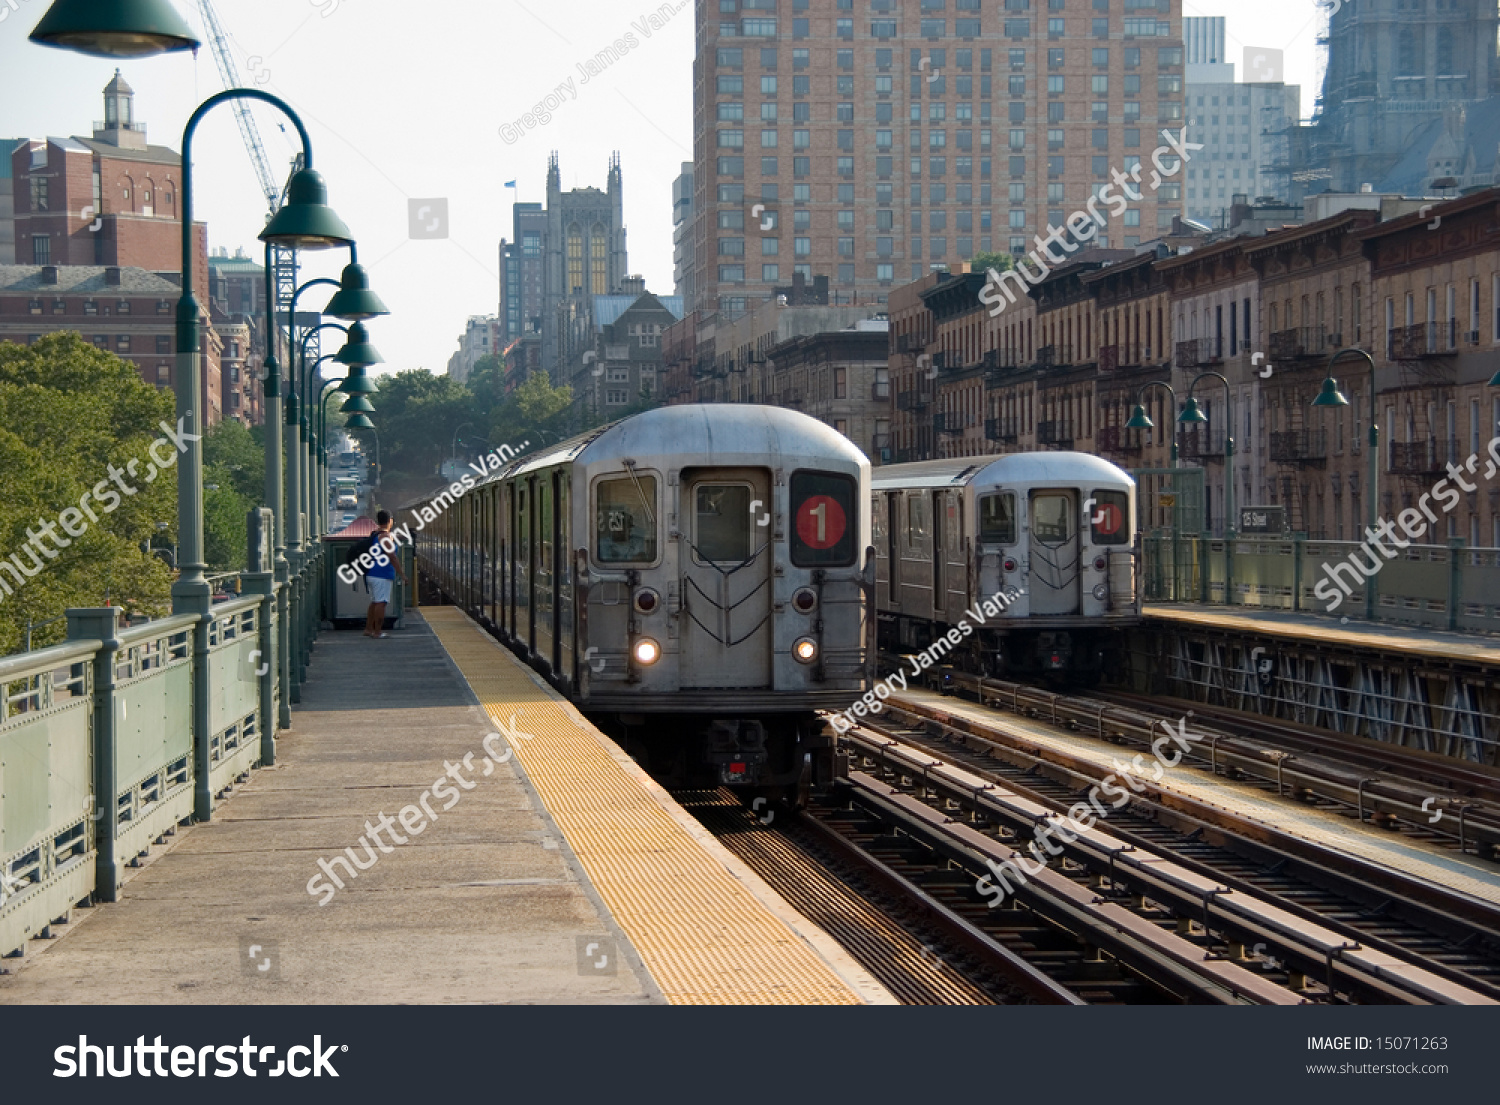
(1052, 518)
(1109, 518)
(723, 529)
(625, 520)
(997, 519)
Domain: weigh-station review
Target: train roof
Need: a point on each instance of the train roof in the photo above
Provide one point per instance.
(748, 430)
(1011, 468)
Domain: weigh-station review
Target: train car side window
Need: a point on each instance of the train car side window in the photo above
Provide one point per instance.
(1109, 518)
(997, 518)
(825, 520)
(722, 523)
(625, 520)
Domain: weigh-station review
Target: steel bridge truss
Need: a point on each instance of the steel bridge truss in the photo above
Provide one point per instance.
(1444, 707)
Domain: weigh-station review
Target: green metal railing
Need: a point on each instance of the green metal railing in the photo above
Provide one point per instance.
(1434, 586)
(99, 755)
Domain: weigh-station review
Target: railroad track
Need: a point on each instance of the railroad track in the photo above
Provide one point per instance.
(1326, 934)
(1368, 788)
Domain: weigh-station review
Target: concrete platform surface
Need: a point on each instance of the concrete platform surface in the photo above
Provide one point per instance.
(486, 902)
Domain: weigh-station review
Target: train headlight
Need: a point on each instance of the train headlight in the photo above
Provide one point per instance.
(646, 652)
(1101, 592)
(805, 600)
(1010, 564)
(647, 600)
(1100, 563)
(805, 650)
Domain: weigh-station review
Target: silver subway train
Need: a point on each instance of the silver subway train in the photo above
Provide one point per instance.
(697, 578)
(1050, 537)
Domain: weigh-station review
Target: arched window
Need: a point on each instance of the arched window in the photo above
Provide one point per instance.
(598, 262)
(575, 260)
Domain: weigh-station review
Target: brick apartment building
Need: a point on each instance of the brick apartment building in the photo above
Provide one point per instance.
(1065, 366)
(874, 145)
(127, 311)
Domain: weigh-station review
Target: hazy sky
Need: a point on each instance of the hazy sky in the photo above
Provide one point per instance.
(407, 102)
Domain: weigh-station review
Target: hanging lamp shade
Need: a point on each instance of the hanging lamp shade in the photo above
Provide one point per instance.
(306, 221)
(357, 404)
(359, 422)
(1192, 412)
(114, 28)
(354, 300)
(1139, 419)
(1330, 396)
(357, 351)
(357, 383)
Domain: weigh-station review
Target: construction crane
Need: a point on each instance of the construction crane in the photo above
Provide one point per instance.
(284, 260)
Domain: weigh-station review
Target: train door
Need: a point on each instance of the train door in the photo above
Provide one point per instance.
(521, 571)
(893, 536)
(532, 540)
(939, 556)
(1054, 548)
(508, 567)
(546, 577)
(562, 574)
(726, 578)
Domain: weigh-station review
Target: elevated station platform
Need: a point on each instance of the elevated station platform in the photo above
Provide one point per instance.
(440, 827)
(1344, 632)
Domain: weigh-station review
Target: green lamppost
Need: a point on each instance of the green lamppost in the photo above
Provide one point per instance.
(140, 28)
(1140, 420)
(1331, 396)
(1192, 414)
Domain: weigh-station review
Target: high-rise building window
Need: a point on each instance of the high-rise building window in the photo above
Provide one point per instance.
(598, 266)
(41, 249)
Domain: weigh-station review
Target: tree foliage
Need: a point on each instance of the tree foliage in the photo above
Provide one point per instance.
(983, 262)
(234, 483)
(68, 412)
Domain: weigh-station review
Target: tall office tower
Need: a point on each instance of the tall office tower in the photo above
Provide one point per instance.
(583, 252)
(684, 256)
(1244, 128)
(872, 145)
(1405, 82)
(1203, 38)
(521, 259)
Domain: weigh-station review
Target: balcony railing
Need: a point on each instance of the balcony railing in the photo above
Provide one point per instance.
(1046, 356)
(791, 397)
(1203, 443)
(1056, 432)
(1299, 446)
(1115, 439)
(1002, 429)
(1422, 339)
(1195, 352)
(912, 400)
(1422, 458)
(1299, 341)
(945, 423)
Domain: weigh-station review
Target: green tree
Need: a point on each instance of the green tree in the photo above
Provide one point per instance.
(983, 262)
(234, 482)
(534, 411)
(78, 420)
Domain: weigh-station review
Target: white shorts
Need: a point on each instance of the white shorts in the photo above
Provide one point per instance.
(380, 589)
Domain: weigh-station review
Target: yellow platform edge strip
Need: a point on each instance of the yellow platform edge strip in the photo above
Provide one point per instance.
(709, 930)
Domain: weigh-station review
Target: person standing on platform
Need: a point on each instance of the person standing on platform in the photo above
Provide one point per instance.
(382, 575)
